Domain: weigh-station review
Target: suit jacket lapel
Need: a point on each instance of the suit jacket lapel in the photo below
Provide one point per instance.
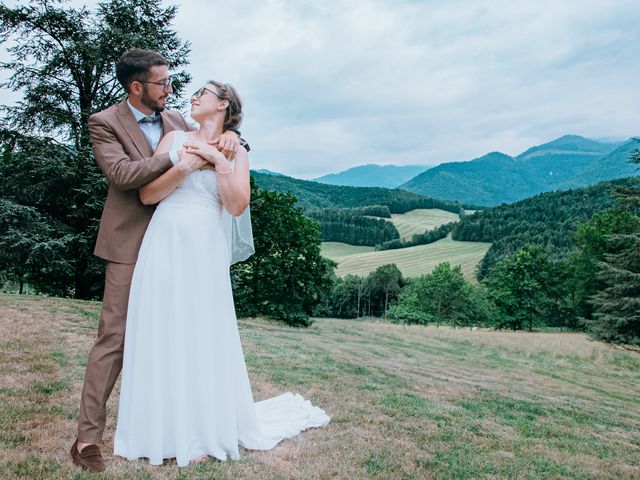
(128, 121)
(168, 124)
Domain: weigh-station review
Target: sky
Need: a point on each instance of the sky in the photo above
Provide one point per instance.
(328, 85)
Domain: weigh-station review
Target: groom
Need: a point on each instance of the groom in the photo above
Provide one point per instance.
(124, 138)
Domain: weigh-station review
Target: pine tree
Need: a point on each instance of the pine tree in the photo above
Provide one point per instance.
(616, 316)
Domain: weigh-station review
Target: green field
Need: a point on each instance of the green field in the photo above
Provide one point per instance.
(412, 261)
(419, 220)
(406, 402)
(337, 250)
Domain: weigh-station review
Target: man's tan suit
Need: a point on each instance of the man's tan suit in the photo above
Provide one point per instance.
(126, 158)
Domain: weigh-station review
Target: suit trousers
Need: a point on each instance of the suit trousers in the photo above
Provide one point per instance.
(105, 358)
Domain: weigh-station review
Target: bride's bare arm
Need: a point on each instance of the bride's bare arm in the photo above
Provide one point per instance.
(234, 188)
(166, 183)
(233, 185)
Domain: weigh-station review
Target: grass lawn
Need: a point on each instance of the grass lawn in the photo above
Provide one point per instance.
(337, 250)
(406, 402)
(412, 261)
(419, 220)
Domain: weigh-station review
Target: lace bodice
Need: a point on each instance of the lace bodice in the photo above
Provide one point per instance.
(198, 189)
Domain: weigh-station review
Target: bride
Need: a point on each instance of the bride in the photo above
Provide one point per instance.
(185, 391)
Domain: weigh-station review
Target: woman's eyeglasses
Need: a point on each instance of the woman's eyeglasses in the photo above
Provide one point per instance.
(201, 91)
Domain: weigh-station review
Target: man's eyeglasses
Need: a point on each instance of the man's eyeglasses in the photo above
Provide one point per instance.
(165, 83)
(201, 91)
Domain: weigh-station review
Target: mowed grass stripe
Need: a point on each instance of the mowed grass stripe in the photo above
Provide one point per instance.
(419, 220)
(416, 261)
(336, 250)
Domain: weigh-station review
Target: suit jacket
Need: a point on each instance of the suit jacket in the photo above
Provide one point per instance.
(126, 157)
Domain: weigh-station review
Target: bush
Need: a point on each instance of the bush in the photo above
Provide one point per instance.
(443, 297)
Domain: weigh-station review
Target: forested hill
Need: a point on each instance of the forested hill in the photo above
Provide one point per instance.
(613, 165)
(314, 195)
(568, 162)
(548, 219)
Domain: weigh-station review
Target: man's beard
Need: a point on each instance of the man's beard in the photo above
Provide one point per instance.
(147, 101)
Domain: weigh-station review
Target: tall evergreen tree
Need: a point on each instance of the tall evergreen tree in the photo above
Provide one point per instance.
(629, 196)
(616, 315)
(29, 249)
(591, 239)
(63, 65)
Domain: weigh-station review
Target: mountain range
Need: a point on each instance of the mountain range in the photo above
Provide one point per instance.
(268, 172)
(371, 175)
(568, 162)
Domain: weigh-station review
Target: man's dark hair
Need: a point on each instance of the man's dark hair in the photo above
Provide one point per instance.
(134, 65)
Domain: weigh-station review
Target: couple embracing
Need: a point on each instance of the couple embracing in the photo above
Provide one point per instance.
(185, 392)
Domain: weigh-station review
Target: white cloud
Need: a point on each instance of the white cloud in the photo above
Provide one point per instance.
(329, 85)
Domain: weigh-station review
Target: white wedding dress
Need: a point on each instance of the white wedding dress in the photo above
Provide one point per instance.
(185, 391)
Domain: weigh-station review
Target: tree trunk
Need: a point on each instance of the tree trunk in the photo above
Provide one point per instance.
(386, 302)
(21, 286)
(81, 284)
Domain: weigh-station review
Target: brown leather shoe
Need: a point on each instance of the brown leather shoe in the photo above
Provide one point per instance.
(89, 458)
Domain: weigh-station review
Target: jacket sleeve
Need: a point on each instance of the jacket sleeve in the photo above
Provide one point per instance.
(122, 172)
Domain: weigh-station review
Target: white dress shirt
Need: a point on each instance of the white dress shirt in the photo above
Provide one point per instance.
(153, 131)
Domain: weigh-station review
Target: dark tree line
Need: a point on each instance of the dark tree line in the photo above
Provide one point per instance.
(356, 226)
(357, 296)
(353, 226)
(381, 211)
(429, 236)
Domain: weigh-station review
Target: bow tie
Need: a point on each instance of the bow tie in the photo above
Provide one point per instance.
(150, 119)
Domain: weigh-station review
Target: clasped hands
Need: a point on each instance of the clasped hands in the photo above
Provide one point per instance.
(215, 154)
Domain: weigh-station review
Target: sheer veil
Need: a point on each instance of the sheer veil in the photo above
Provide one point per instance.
(239, 236)
(238, 233)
